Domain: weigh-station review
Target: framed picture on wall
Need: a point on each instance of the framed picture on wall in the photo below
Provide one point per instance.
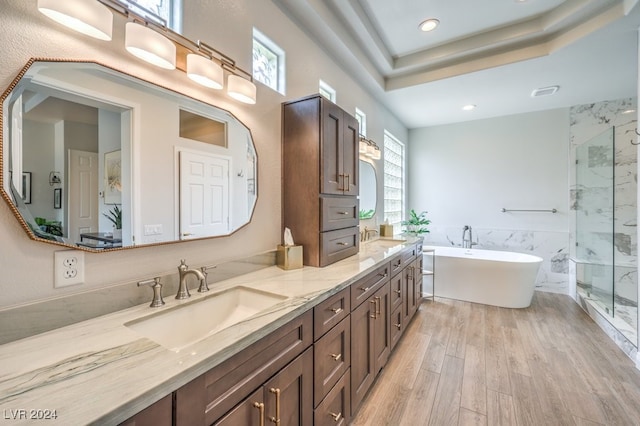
(57, 198)
(113, 178)
(26, 187)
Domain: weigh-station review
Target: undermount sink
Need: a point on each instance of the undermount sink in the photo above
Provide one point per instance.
(387, 242)
(191, 322)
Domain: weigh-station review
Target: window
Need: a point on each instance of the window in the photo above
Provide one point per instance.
(393, 180)
(362, 122)
(327, 91)
(268, 62)
(169, 10)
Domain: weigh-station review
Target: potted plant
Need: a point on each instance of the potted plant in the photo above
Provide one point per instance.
(417, 223)
(115, 216)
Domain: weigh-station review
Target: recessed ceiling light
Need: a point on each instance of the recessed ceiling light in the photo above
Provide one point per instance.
(469, 107)
(545, 91)
(429, 25)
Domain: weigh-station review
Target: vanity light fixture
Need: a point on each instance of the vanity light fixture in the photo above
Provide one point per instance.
(429, 24)
(85, 16)
(204, 71)
(150, 46)
(469, 107)
(369, 148)
(241, 89)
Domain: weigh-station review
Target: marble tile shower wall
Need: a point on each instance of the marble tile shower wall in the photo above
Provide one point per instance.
(552, 247)
(586, 122)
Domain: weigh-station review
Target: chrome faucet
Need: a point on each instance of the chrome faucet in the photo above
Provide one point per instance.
(467, 243)
(184, 271)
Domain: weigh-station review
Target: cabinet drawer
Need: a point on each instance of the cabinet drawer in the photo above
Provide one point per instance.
(339, 244)
(395, 266)
(158, 414)
(336, 407)
(216, 392)
(330, 312)
(397, 291)
(364, 288)
(338, 213)
(397, 326)
(331, 358)
(408, 256)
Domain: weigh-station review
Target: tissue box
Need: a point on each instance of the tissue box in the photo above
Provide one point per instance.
(386, 230)
(289, 257)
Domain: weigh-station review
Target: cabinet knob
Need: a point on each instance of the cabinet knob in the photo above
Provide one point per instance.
(336, 357)
(336, 416)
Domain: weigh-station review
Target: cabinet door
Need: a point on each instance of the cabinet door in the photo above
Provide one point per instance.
(362, 357)
(158, 414)
(332, 179)
(382, 338)
(397, 291)
(396, 326)
(350, 152)
(410, 303)
(288, 395)
(248, 412)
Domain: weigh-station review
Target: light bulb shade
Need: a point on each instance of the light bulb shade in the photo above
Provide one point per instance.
(204, 71)
(376, 154)
(150, 46)
(241, 89)
(370, 151)
(363, 147)
(88, 17)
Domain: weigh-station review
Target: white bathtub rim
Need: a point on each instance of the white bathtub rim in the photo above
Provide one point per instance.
(484, 254)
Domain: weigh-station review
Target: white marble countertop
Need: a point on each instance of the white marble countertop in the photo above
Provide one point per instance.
(100, 371)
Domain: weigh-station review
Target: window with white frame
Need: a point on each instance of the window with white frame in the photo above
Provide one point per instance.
(362, 122)
(268, 62)
(169, 10)
(327, 91)
(394, 180)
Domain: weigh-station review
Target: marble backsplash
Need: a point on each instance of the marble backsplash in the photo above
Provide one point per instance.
(552, 247)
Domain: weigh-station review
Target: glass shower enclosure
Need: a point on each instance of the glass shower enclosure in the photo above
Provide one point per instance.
(604, 211)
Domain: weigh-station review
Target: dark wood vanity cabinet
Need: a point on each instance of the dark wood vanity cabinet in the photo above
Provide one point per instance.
(157, 414)
(370, 341)
(320, 179)
(228, 387)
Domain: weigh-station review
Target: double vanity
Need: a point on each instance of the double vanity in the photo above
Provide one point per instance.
(273, 346)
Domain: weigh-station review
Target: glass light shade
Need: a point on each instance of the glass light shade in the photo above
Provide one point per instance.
(204, 71)
(363, 147)
(376, 154)
(88, 17)
(241, 89)
(150, 46)
(370, 151)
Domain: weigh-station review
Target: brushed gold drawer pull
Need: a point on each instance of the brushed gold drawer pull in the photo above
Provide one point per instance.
(398, 326)
(260, 406)
(344, 213)
(341, 243)
(378, 308)
(385, 275)
(398, 292)
(336, 417)
(336, 357)
(336, 310)
(365, 288)
(373, 315)
(276, 419)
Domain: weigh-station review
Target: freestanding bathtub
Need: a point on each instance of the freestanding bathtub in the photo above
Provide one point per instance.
(490, 277)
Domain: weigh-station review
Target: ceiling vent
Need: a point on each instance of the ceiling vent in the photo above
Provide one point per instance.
(545, 91)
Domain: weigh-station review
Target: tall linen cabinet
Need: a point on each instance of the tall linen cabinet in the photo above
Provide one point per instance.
(320, 179)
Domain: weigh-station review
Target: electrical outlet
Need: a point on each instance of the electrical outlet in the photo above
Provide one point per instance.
(68, 268)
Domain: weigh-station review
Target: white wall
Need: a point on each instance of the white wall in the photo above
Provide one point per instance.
(227, 25)
(464, 174)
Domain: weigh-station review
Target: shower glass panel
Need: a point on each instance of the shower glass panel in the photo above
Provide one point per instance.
(595, 206)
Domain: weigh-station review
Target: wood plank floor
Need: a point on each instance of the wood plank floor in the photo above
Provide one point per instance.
(461, 363)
